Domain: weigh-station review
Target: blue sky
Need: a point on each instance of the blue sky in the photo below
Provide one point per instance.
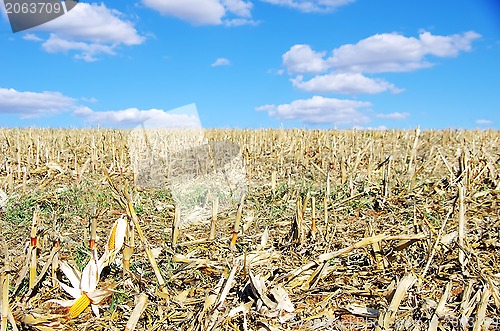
(257, 64)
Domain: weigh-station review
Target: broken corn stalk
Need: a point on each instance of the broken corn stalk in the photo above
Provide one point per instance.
(33, 258)
(237, 222)
(213, 224)
(5, 294)
(128, 250)
(137, 312)
(175, 226)
(55, 263)
(93, 235)
(313, 217)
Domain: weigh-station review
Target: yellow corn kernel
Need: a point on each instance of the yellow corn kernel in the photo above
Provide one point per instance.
(79, 306)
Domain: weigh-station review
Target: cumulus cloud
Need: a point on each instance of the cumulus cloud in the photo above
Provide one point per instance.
(198, 12)
(222, 61)
(320, 110)
(311, 6)
(85, 51)
(484, 122)
(34, 104)
(156, 118)
(344, 70)
(239, 8)
(205, 12)
(89, 30)
(344, 83)
(395, 53)
(387, 52)
(27, 104)
(303, 59)
(394, 116)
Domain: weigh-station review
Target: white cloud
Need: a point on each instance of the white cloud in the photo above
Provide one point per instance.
(89, 29)
(394, 116)
(239, 8)
(320, 110)
(86, 51)
(240, 22)
(311, 6)
(344, 83)
(303, 59)
(396, 53)
(198, 12)
(32, 37)
(222, 61)
(484, 122)
(156, 118)
(206, 12)
(95, 23)
(28, 104)
(387, 52)
(34, 104)
(347, 65)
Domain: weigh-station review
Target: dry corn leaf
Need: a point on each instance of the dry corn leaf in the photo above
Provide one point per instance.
(114, 244)
(359, 310)
(3, 199)
(449, 238)
(181, 297)
(404, 285)
(242, 308)
(283, 300)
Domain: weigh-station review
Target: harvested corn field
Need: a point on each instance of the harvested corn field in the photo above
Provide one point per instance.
(334, 230)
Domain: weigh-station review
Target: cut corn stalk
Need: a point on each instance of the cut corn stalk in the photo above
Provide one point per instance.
(467, 305)
(386, 319)
(305, 203)
(434, 323)
(50, 262)
(137, 312)
(213, 223)
(325, 216)
(237, 222)
(461, 225)
(296, 230)
(481, 310)
(93, 230)
(33, 250)
(175, 226)
(5, 293)
(377, 251)
(313, 218)
(128, 250)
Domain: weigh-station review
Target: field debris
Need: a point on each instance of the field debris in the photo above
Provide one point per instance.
(324, 230)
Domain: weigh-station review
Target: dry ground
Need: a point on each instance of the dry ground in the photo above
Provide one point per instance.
(339, 230)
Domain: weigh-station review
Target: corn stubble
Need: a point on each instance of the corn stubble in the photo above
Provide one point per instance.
(339, 230)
